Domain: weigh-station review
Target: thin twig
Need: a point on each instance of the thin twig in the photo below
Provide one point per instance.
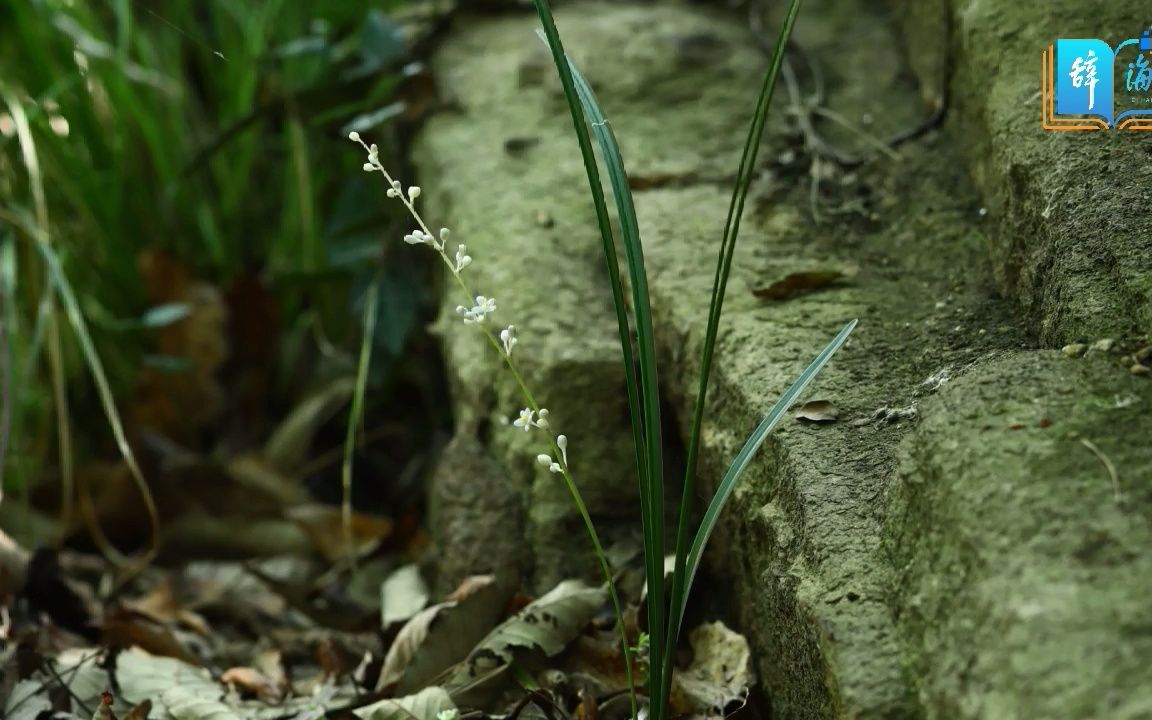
(1108, 465)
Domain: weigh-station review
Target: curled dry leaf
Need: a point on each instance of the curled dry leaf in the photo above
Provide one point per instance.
(817, 411)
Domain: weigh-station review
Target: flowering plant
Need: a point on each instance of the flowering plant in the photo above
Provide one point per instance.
(665, 610)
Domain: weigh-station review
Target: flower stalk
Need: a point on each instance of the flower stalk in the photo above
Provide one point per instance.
(532, 417)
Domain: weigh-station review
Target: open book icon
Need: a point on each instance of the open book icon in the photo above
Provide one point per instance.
(1089, 85)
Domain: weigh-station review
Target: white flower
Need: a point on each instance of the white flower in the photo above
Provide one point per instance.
(393, 192)
(555, 467)
(354, 136)
(484, 307)
(463, 259)
(526, 420)
(373, 154)
(543, 421)
(508, 337)
(369, 167)
(413, 192)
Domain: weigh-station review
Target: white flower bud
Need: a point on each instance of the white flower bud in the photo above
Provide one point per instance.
(354, 136)
(413, 192)
(369, 167)
(393, 192)
(544, 460)
(562, 441)
(543, 412)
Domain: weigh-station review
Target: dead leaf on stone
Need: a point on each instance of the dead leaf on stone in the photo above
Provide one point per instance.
(720, 673)
(658, 180)
(800, 283)
(818, 411)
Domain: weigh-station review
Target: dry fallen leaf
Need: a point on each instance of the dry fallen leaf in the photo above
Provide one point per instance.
(548, 625)
(817, 411)
(424, 705)
(253, 682)
(800, 283)
(402, 595)
(441, 636)
(720, 673)
(324, 526)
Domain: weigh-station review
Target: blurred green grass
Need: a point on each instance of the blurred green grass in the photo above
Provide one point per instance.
(213, 131)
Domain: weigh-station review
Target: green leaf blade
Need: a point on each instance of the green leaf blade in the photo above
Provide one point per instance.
(744, 457)
(680, 582)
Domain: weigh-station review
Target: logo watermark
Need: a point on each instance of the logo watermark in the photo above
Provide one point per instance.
(1086, 84)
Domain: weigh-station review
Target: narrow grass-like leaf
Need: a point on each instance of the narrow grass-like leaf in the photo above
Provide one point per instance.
(652, 514)
(680, 584)
(552, 37)
(55, 352)
(355, 415)
(744, 457)
(104, 390)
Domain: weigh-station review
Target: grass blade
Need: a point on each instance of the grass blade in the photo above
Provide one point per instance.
(680, 581)
(356, 414)
(652, 513)
(75, 317)
(552, 38)
(744, 457)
